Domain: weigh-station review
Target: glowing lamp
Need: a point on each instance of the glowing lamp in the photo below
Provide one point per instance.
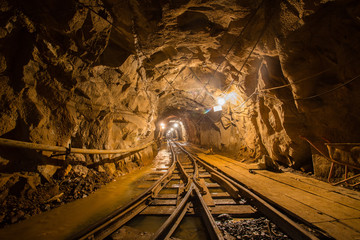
(221, 101)
(217, 108)
(176, 125)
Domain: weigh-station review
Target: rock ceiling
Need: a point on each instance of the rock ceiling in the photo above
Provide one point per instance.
(101, 74)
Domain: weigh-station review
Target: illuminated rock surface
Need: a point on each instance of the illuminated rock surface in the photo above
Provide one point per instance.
(103, 74)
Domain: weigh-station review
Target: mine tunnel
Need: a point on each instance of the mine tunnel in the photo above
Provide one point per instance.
(180, 119)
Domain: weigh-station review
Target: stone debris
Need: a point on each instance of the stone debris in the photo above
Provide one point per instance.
(254, 229)
(24, 195)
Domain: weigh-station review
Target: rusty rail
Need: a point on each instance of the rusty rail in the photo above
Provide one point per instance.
(118, 218)
(193, 193)
(293, 229)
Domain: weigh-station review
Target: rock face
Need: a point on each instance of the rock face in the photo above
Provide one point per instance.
(103, 74)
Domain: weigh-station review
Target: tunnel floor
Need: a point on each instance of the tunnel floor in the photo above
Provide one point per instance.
(333, 209)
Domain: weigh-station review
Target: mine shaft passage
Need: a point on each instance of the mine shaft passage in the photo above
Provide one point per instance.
(179, 119)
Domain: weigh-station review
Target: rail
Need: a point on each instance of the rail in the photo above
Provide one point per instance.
(101, 229)
(193, 198)
(293, 229)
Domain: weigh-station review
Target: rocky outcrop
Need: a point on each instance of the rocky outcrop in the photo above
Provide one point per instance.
(293, 79)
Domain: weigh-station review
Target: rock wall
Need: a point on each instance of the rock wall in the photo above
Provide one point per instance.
(102, 74)
(56, 91)
(304, 52)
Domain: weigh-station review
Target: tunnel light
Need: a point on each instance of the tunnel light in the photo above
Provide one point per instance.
(162, 127)
(162, 124)
(176, 125)
(171, 129)
(221, 101)
(217, 108)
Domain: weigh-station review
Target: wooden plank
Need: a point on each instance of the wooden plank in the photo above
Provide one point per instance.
(158, 210)
(213, 185)
(163, 202)
(277, 195)
(352, 223)
(220, 195)
(234, 210)
(207, 196)
(166, 196)
(275, 191)
(233, 191)
(338, 230)
(175, 177)
(204, 175)
(224, 201)
(316, 188)
(308, 201)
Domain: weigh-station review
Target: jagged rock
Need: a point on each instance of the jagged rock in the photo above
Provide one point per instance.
(4, 178)
(33, 179)
(110, 168)
(3, 161)
(64, 171)
(100, 169)
(47, 171)
(80, 170)
(265, 162)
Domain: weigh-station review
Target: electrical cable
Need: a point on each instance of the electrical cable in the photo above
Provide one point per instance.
(233, 44)
(252, 50)
(316, 95)
(329, 91)
(294, 83)
(206, 91)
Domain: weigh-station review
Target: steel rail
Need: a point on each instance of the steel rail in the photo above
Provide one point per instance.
(170, 225)
(118, 218)
(290, 227)
(197, 190)
(214, 231)
(96, 230)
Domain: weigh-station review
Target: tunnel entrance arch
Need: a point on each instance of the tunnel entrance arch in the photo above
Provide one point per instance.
(172, 127)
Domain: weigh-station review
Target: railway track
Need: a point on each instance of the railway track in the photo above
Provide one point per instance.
(191, 187)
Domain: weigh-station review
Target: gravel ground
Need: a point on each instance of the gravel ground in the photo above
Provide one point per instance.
(254, 229)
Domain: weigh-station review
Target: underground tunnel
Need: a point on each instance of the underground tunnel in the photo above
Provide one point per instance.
(179, 119)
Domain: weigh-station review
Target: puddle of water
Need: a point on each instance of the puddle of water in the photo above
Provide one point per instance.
(64, 221)
(191, 228)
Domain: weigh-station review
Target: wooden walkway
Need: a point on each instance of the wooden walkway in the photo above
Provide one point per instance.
(334, 209)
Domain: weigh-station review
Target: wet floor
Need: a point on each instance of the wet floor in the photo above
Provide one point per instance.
(63, 222)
